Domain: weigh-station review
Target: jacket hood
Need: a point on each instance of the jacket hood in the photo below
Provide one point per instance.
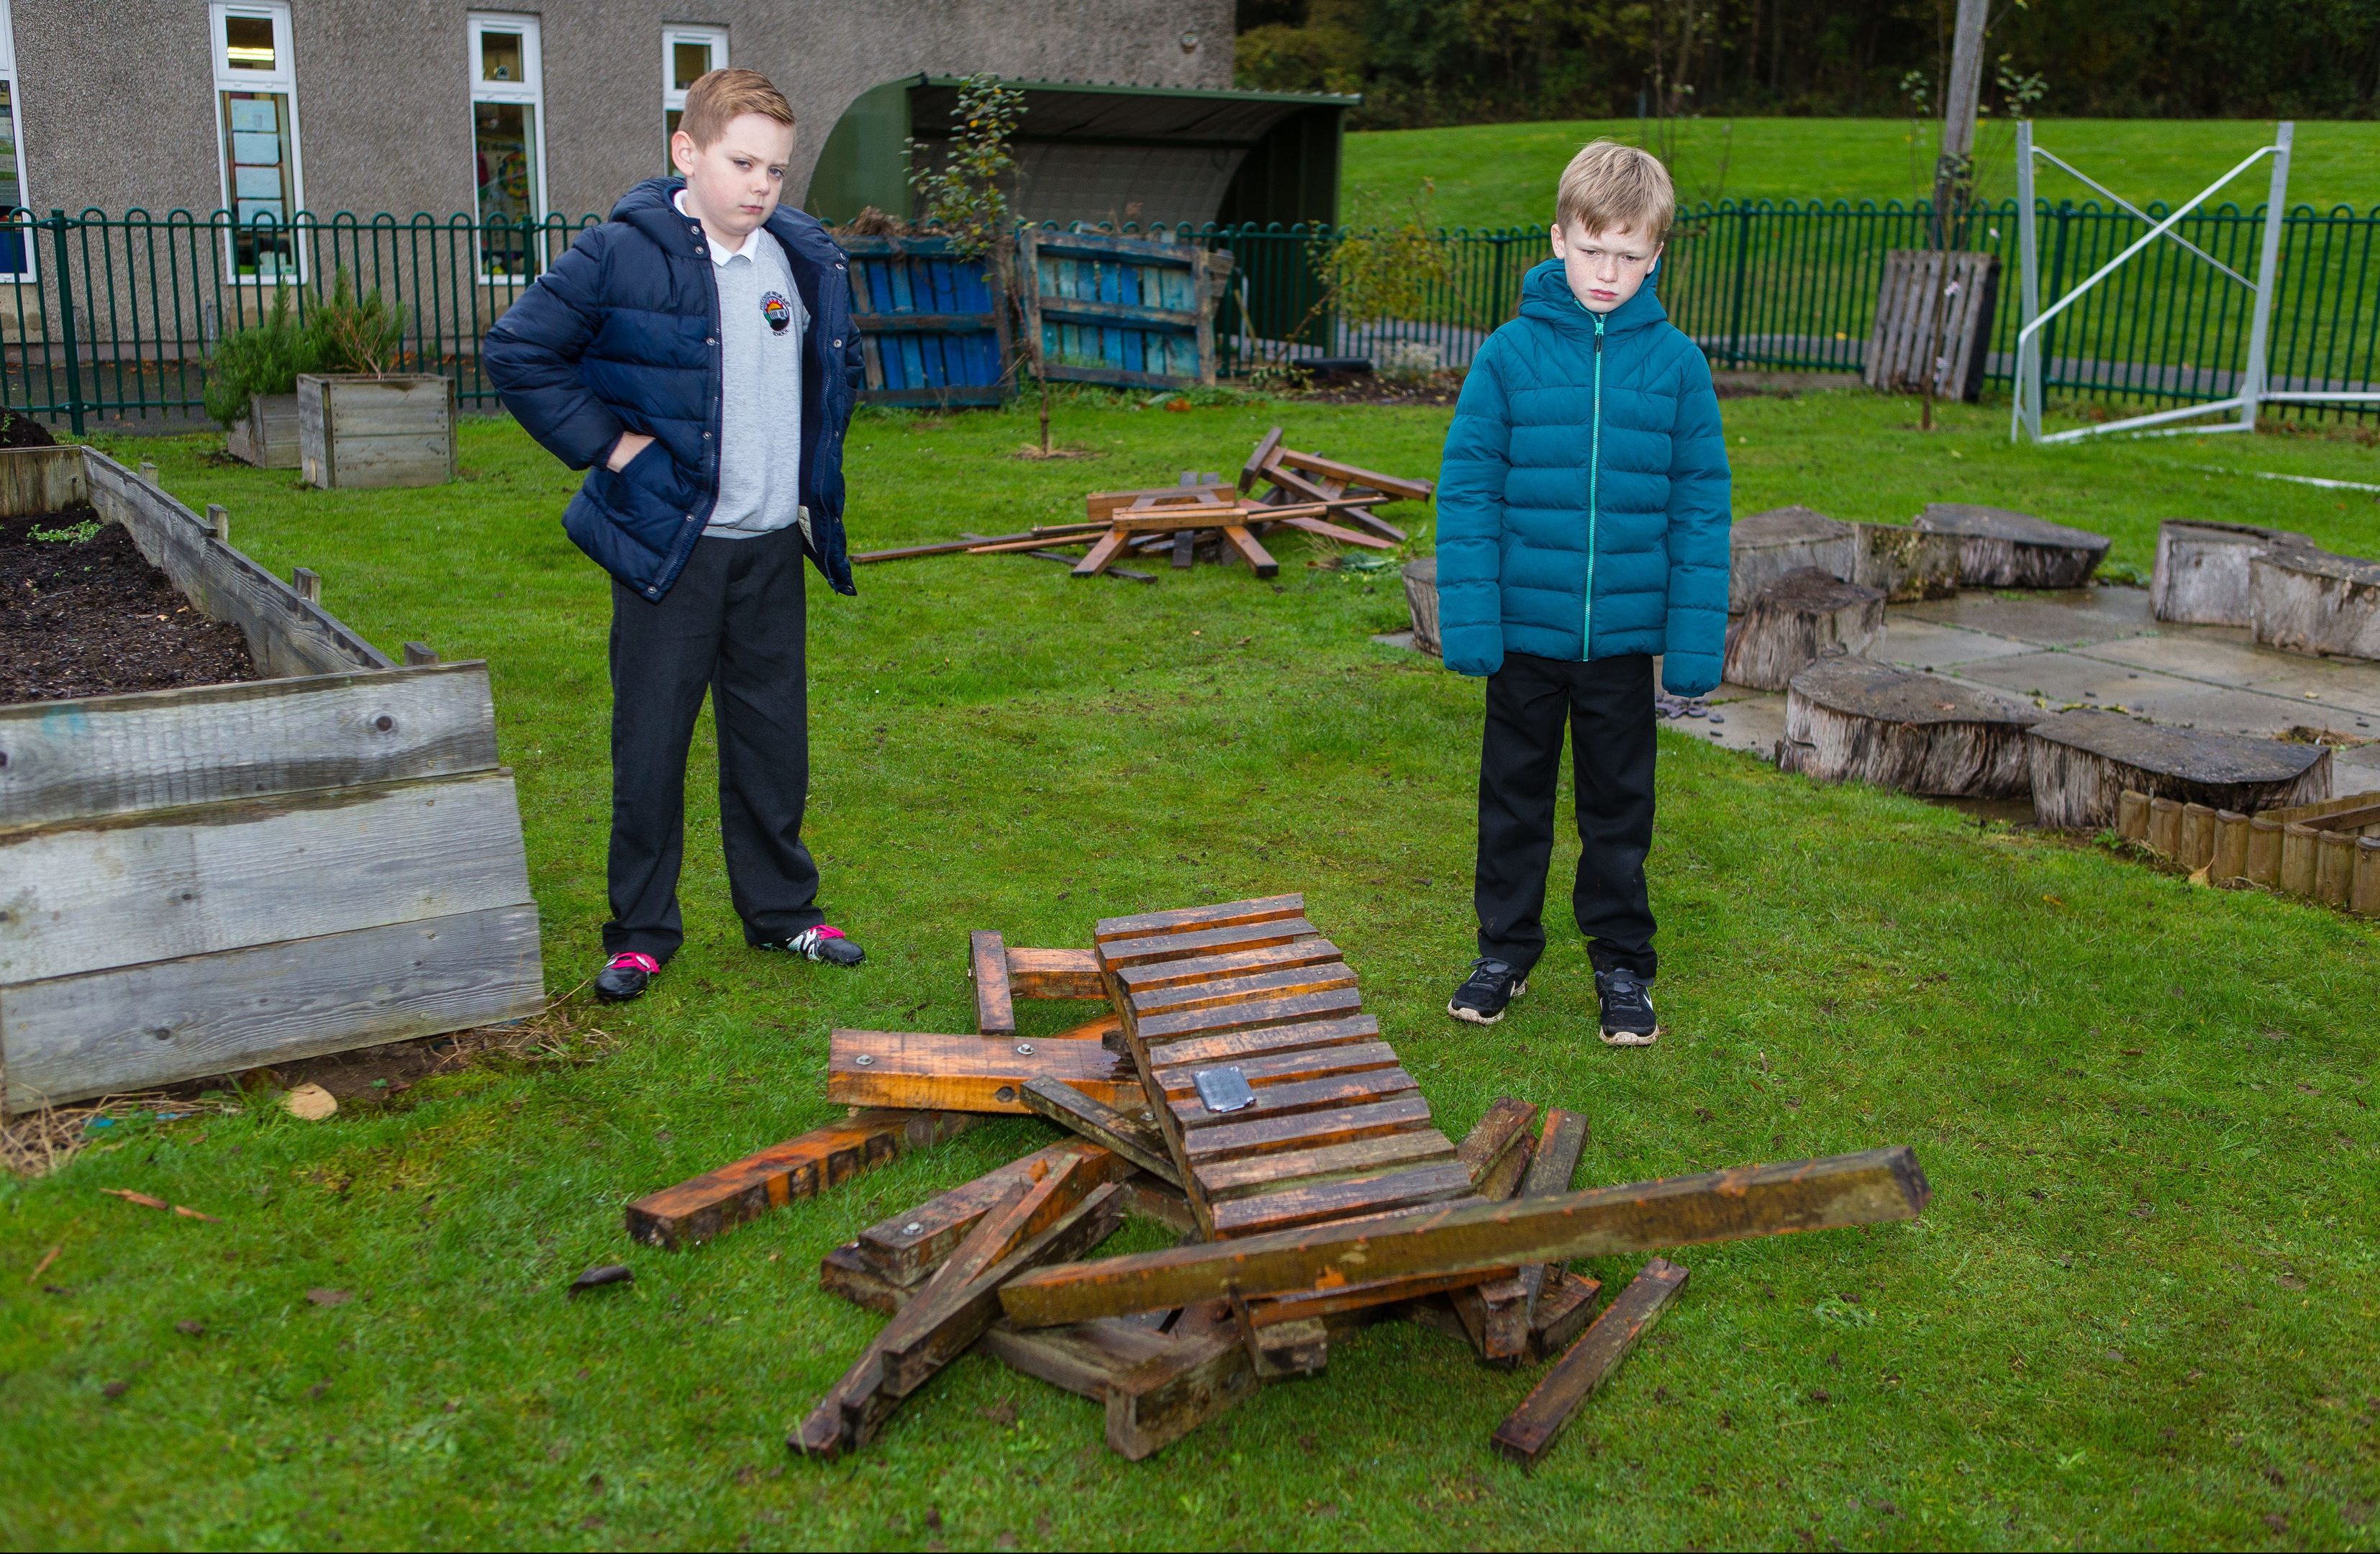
(1546, 296)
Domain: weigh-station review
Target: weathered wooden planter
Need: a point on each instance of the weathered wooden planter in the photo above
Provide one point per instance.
(199, 881)
(355, 433)
(1421, 601)
(2000, 549)
(1854, 720)
(267, 436)
(2202, 569)
(2307, 601)
(2329, 849)
(1766, 546)
(2083, 761)
(1803, 616)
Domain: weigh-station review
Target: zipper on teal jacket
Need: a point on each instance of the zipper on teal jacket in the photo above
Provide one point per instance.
(1594, 482)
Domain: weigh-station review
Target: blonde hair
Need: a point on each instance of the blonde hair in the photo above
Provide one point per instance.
(718, 98)
(1609, 186)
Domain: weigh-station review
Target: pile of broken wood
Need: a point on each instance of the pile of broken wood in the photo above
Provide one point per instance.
(1203, 518)
(1235, 1092)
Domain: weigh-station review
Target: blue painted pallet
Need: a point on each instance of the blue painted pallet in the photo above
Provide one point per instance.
(932, 327)
(1132, 313)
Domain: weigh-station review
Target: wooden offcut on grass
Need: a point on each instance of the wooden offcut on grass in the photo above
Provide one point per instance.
(2140, 1310)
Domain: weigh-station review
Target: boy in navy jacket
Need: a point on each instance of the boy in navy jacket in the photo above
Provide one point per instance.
(696, 355)
(1582, 530)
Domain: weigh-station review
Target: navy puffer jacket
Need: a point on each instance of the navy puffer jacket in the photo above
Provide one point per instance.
(622, 334)
(1582, 502)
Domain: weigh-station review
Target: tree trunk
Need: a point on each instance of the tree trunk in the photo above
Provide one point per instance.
(1794, 621)
(2202, 569)
(1851, 720)
(1767, 546)
(2312, 601)
(1999, 549)
(2082, 761)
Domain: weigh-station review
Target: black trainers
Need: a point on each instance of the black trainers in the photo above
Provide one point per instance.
(1628, 1019)
(626, 977)
(1484, 993)
(821, 944)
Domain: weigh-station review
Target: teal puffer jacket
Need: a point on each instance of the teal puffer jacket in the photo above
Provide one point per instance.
(1583, 501)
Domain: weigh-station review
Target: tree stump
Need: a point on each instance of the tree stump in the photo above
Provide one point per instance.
(2201, 569)
(1766, 546)
(1421, 602)
(1795, 621)
(1852, 720)
(1999, 549)
(2082, 761)
(1907, 563)
(2312, 601)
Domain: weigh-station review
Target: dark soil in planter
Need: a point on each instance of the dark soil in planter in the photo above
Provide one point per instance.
(89, 616)
(24, 432)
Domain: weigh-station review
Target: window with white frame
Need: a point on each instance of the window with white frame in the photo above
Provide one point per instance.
(255, 94)
(687, 55)
(16, 234)
(508, 143)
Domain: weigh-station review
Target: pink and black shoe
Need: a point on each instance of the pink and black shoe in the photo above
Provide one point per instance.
(821, 944)
(626, 978)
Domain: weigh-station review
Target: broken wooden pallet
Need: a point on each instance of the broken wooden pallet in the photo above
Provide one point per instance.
(1349, 492)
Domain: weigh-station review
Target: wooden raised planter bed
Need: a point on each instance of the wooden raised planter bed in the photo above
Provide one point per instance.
(204, 880)
(355, 433)
(267, 436)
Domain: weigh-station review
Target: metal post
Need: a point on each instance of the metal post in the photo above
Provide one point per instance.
(2026, 415)
(62, 288)
(2268, 266)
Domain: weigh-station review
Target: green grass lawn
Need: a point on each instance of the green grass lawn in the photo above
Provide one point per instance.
(2140, 1311)
(1503, 175)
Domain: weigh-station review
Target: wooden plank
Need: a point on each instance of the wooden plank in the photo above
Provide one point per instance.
(1495, 1317)
(1495, 1313)
(1163, 1399)
(1085, 1358)
(1296, 1010)
(1565, 1304)
(1258, 558)
(1223, 1179)
(1551, 1166)
(916, 1355)
(82, 895)
(1198, 943)
(1341, 1199)
(34, 481)
(1293, 1099)
(907, 1247)
(1256, 987)
(927, 1071)
(845, 1272)
(1232, 1045)
(1108, 1027)
(1128, 1136)
(1322, 529)
(132, 1028)
(1357, 1297)
(1180, 1083)
(1198, 919)
(1354, 475)
(1877, 1186)
(1314, 1130)
(114, 755)
(995, 1009)
(1102, 554)
(738, 1193)
(1502, 1129)
(1160, 1203)
(1267, 447)
(1531, 1429)
(1055, 974)
(1139, 979)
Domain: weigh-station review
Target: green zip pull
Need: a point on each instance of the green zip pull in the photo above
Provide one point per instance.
(1594, 482)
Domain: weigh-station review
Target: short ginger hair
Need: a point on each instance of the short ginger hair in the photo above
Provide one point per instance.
(1609, 186)
(718, 98)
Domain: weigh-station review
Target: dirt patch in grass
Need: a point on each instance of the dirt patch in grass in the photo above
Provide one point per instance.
(88, 615)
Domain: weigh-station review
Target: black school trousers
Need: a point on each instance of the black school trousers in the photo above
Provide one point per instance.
(1607, 705)
(734, 626)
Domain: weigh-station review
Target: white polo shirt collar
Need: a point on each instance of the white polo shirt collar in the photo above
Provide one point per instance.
(720, 252)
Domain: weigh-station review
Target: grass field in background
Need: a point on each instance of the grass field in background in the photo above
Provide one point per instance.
(2140, 1310)
(1503, 175)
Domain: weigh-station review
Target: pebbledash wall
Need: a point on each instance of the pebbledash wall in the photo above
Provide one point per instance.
(416, 105)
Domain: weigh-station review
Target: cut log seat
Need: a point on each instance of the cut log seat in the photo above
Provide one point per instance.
(1800, 617)
(2307, 601)
(1767, 546)
(2082, 761)
(1999, 549)
(2201, 569)
(1850, 719)
(1908, 563)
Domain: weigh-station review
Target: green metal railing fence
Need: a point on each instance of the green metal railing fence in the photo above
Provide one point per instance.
(108, 315)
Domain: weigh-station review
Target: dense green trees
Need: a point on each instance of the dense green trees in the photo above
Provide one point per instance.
(1456, 61)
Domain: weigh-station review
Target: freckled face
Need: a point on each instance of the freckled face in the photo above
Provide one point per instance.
(1604, 268)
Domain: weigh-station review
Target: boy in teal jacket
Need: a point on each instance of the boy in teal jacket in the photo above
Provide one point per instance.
(1581, 531)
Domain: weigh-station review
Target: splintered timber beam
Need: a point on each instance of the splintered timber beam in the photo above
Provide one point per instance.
(1530, 1431)
(1128, 1136)
(799, 1168)
(1874, 1187)
(995, 1006)
(908, 1246)
(928, 1071)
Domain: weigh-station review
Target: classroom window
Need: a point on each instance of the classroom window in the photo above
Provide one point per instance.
(687, 55)
(508, 144)
(255, 95)
(16, 235)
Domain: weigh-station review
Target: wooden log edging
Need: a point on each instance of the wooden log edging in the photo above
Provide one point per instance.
(2328, 850)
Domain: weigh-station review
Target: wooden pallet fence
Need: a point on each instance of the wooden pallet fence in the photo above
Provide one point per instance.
(1902, 349)
(2329, 849)
(933, 326)
(1129, 312)
(219, 876)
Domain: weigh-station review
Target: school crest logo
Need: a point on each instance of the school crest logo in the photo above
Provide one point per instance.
(777, 310)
